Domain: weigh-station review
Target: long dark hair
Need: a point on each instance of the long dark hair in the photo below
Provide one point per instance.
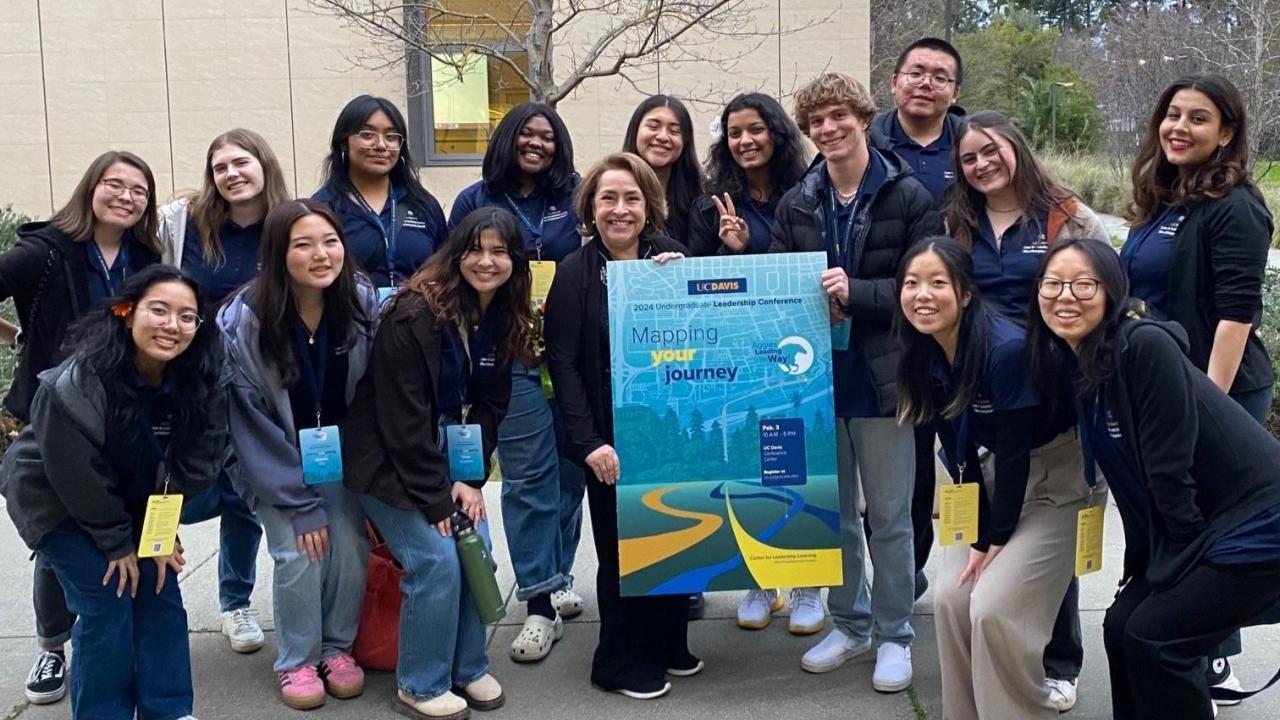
(1035, 189)
(789, 160)
(105, 345)
(439, 282)
(501, 170)
(1096, 355)
(684, 185)
(1158, 182)
(404, 173)
(271, 297)
(76, 219)
(915, 384)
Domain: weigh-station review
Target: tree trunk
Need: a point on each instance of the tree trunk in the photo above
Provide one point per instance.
(541, 52)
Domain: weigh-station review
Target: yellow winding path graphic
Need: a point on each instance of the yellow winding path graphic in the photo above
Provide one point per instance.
(636, 554)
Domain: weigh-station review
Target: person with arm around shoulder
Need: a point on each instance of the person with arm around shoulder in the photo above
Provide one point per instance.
(137, 411)
(1197, 248)
(59, 271)
(621, 204)
(1194, 478)
(298, 339)
(442, 358)
(965, 368)
(391, 222)
(528, 169)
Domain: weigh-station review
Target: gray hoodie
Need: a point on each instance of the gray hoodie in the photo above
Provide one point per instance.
(267, 465)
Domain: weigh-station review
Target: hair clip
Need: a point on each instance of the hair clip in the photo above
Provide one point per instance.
(122, 309)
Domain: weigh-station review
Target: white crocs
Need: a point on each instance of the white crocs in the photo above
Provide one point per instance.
(536, 638)
(567, 602)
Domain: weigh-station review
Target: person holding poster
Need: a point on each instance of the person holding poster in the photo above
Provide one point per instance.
(1193, 474)
(528, 169)
(964, 367)
(120, 432)
(862, 208)
(622, 207)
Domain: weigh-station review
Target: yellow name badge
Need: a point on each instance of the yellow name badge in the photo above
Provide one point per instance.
(544, 271)
(959, 517)
(160, 526)
(1089, 539)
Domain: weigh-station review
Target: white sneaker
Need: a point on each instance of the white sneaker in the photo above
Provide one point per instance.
(893, 668)
(536, 638)
(1062, 693)
(240, 626)
(832, 652)
(807, 613)
(567, 603)
(755, 612)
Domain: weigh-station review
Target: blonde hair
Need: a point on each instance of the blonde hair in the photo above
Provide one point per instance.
(832, 89)
(209, 209)
(655, 200)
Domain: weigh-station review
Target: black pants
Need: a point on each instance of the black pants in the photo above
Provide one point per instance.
(640, 637)
(53, 619)
(1157, 641)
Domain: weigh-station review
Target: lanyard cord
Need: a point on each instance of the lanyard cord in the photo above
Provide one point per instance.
(388, 237)
(535, 230)
(122, 258)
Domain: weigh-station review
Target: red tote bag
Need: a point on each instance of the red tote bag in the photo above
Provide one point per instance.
(377, 640)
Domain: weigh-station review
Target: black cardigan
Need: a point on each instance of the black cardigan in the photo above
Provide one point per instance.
(390, 448)
(1207, 465)
(47, 276)
(1217, 263)
(576, 332)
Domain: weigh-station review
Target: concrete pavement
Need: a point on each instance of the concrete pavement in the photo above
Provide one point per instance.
(748, 675)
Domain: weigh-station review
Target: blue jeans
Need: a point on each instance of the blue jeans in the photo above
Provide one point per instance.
(442, 641)
(317, 605)
(128, 655)
(882, 454)
(239, 536)
(541, 492)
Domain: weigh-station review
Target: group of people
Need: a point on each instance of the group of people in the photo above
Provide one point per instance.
(300, 368)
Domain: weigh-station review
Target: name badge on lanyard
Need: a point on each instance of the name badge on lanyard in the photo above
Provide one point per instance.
(958, 519)
(464, 441)
(543, 271)
(321, 446)
(164, 511)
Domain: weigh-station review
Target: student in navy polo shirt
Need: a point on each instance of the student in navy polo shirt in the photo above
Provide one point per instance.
(661, 133)
(528, 170)
(137, 411)
(214, 236)
(1198, 247)
(861, 206)
(391, 222)
(759, 156)
(441, 357)
(59, 271)
(1194, 476)
(966, 369)
(921, 126)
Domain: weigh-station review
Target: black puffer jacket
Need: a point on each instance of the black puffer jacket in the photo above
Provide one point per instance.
(46, 274)
(899, 213)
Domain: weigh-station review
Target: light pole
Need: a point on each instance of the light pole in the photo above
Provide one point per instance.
(1053, 111)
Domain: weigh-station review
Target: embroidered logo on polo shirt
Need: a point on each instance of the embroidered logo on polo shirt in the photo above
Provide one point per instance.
(1169, 229)
(553, 215)
(948, 174)
(1113, 426)
(410, 221)
(1039, 246)
(982, 405)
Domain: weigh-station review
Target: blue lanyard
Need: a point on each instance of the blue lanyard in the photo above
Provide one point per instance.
(388, 236)
(122, 259)
(841, 233)
(313, 375)
(1086, 439)
(534, 230)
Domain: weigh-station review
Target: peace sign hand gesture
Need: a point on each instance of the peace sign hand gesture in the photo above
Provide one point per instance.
(734, 231)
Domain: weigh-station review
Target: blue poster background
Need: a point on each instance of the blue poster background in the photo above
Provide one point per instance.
(718, 363)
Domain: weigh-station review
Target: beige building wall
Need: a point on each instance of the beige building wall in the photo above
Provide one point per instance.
(163, 77)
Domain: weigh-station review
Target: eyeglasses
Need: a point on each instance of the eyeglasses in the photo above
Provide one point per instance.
(369, 138)
(1081, 288)
(188, 321)
(118, 188)
(937, 80)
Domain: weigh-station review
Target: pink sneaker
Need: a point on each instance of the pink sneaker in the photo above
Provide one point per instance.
(301, 689)
(343, 678)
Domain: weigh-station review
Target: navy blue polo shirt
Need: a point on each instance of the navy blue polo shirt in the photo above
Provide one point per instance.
(322, 367)
(1102, 437)
(1006, 275)
(931, 163)
(455, 376)
(548, 223)
(1004, 384)
(1146, 257)
(135, 457)
(855, 386)
(240, 259)
(1257, 540)
(104, 281)
(759, 217)
(370, 237)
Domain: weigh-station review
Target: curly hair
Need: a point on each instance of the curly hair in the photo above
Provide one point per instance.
(832, 89)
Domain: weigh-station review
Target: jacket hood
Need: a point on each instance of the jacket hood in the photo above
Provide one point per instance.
(895, 169)
(881, 128)
(1133, 320)
(45, 231)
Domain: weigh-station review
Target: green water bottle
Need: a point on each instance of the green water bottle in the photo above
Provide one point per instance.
(477, 566)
